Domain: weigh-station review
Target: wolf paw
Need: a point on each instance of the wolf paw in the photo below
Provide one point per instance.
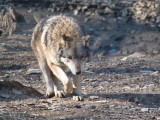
(78, 98)
(50, 94)
(59, 94)
(68, 89)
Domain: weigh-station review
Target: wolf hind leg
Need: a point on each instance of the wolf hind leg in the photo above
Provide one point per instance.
(57, 89)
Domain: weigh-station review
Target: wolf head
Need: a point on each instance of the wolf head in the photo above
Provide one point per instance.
(75, 54)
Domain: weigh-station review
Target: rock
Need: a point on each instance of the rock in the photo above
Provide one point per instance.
(124, 59)
(141, 3)
(75, 12)
(62, 118)
(139, 12)
(112, 106)
(51, 9)
(4, 46)
(134, 55)
(6, 75)
(33, 71)
(143, 16)
(107, 10)
(4, 96)
(91, 30)
(94, 97)
(78, 8)
(90, 106)
(146, 71)
(30, 10)
(148, 86)
(127, 88)
(84, 8)
(14, 91)
(134, 88)
(102, 74)
(112, 50)
(55, 107)
(124, 12)
(158, 118)
(148, 3)
(133, 32)
(70, 7)
(119, 18)
(89, 71)
(102, 101)
(113, 6)
(152, 14)
(86, 19)
(144, 109)
(155, 73)
(77, 106)
(88, 13)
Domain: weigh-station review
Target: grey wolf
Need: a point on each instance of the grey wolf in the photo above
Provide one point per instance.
(8, 20)
(59, 43)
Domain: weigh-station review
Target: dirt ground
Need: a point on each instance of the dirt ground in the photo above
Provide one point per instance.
(122, 81)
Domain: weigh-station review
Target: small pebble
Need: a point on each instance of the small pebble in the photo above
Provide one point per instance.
(94, 97)
(144, 109)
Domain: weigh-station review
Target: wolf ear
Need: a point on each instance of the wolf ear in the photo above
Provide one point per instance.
(86, 39)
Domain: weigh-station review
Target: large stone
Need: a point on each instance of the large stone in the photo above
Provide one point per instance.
(144, 109)
(33, 71)
(107, 10)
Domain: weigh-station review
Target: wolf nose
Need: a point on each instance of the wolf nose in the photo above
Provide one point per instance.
(79, 72)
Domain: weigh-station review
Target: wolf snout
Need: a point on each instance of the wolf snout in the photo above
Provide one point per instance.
(79, 72)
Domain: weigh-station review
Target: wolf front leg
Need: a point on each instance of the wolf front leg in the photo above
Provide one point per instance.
(57, 89)
(61, 75)
(76, 88)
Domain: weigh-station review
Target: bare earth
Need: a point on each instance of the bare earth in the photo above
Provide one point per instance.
(122, 81)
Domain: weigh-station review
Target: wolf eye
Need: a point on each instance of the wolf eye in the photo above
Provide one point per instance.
(70, 57)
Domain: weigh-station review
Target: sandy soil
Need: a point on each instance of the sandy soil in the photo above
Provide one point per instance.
(122, 80)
